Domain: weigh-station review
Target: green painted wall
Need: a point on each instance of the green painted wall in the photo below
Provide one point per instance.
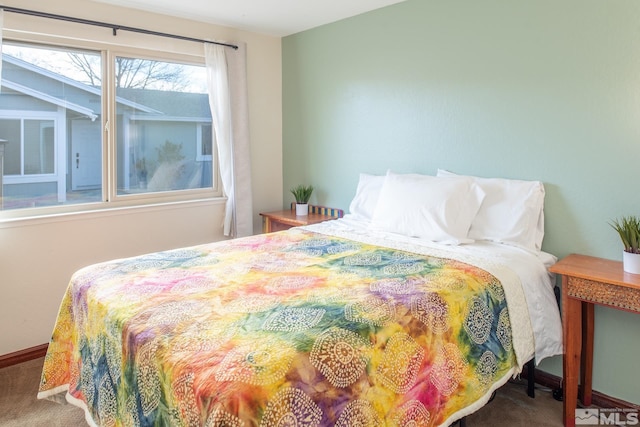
(545, 89)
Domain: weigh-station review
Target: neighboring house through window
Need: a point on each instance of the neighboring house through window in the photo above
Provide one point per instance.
(62, 150)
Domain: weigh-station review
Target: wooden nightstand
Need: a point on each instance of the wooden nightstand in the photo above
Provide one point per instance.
(285, 219)
(587, 281)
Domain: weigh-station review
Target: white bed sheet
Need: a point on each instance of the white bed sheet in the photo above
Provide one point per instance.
(532, 269)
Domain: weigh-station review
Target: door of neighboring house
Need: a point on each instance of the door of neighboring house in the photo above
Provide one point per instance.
(86, 154)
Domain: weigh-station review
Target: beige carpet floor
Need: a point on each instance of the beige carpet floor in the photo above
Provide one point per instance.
(19, 406)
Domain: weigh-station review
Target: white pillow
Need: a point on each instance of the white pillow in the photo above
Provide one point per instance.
(366, 198)
(511, 213)
(428, 207)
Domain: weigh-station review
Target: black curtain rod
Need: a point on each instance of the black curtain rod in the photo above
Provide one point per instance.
(114, 27)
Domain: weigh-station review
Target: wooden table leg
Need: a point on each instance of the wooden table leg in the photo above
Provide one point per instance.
(572, 335)
(586, 365)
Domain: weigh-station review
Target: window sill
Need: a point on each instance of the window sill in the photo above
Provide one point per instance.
(103, 211)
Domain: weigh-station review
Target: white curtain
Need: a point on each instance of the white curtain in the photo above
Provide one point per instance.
(228, 99)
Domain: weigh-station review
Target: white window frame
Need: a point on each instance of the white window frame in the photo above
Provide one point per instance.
(187, 54)
(59, 160)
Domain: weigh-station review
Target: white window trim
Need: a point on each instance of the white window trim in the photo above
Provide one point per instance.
(187, 53)
(59, 154)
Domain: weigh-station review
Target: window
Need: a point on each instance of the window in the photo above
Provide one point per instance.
(62, 150)
(50, 120)
(159, 126)
(205, 141)
(32, 151)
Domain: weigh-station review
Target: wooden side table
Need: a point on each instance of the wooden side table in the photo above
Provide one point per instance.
(587, 281)
(285, 219)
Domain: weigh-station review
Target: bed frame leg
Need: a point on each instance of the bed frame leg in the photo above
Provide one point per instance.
(531, 378)
(463, 422)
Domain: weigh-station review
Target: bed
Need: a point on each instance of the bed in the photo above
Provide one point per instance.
(342, 323)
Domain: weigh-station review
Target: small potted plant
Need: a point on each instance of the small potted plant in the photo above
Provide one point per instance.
(302, 193)
(628, 228)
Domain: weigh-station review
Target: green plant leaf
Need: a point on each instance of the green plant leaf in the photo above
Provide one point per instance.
(302, 193)
(628, 228)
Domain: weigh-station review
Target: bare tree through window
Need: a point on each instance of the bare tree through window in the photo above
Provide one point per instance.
(133, 73)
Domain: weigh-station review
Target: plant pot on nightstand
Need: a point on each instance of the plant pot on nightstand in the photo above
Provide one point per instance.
(302, 209)
(628, 227)
(631, 262)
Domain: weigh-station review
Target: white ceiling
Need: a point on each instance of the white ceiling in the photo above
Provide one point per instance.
(273, 17)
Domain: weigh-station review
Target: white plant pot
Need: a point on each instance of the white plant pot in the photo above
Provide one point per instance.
(302, 209)
(631, 262)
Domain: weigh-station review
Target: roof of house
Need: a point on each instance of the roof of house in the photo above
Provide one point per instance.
(45, 85)
(170, 103)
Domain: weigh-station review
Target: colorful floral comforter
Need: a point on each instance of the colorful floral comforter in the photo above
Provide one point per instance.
(294, 328)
